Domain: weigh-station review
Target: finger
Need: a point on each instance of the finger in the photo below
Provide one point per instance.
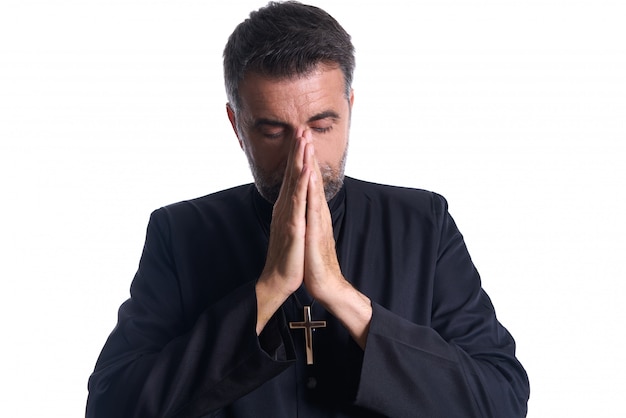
(301, 192)
(319, 178)
(318, 212)
(293, 168)
(307, 135)
(315, 187)
(296, 166)
(294, 162)
(295, 159)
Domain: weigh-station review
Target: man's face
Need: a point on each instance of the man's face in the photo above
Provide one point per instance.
(274, 112)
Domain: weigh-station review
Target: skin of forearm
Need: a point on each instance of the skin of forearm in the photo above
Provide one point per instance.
(351, 307)
(270, 297)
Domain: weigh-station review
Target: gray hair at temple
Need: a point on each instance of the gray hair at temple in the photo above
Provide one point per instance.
(285, 40)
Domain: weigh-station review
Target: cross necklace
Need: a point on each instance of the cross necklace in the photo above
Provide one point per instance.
(308, 326)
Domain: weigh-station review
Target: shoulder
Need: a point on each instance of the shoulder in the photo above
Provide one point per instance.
(214, 205)
(396, 197)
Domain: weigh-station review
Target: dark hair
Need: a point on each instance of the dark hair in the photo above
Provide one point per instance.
(284, 40)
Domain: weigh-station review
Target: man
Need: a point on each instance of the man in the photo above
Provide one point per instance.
(311, 294)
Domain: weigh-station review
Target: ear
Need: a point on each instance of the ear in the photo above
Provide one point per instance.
(351, 98)
(233, 122)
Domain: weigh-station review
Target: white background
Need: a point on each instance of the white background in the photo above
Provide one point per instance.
(513, 110)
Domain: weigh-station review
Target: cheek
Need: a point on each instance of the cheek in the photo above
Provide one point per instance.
(269, 156)
(331, 152)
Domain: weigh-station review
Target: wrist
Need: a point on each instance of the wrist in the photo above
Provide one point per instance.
(269, 297)
(352, 308)
(276, 284)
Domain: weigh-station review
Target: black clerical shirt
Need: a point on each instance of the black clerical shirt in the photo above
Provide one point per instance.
(186, 345)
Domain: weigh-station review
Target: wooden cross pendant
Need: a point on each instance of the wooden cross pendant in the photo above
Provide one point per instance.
(308, 327)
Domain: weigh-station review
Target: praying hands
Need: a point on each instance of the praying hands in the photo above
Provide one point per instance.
(302, 248)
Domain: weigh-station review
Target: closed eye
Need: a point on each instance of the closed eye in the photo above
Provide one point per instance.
(323, 130)
(323, 122)
(270, 129)
(273, 134)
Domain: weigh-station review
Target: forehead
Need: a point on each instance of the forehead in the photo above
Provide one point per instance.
(287, 98)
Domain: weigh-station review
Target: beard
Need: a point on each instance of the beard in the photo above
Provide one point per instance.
(269, 183)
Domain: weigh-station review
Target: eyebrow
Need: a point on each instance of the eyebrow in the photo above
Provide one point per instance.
(324, 115)
(273, 122)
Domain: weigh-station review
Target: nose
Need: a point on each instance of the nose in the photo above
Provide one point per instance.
(303, 132)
